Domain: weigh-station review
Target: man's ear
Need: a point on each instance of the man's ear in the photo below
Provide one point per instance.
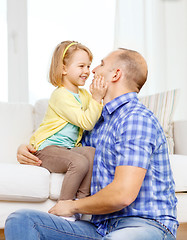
(64, 70)
(117, 75)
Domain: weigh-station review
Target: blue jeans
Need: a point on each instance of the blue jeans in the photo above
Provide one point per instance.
(34, 225)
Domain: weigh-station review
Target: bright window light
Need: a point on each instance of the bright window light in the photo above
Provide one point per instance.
(51, 22)
(3, 52)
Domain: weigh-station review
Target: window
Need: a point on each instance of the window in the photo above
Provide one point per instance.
(51, 22)
(3, 52)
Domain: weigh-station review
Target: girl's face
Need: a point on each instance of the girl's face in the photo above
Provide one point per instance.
(78, 70)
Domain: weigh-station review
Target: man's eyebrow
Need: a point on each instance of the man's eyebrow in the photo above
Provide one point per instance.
(102, 62)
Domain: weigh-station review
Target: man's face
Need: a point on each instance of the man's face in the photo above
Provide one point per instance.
(105, 68)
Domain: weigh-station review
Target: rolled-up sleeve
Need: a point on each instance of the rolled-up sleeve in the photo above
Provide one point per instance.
(135, 141)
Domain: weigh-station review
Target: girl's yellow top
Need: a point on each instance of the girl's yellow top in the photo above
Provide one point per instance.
(64, 108)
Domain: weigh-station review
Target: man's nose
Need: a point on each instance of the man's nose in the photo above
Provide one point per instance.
(94, 70)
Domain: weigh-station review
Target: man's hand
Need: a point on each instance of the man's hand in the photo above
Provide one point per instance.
(115, 196)
(63, 208)
(98, 88)
(25, 155)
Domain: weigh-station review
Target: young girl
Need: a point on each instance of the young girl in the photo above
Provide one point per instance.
(70, 111)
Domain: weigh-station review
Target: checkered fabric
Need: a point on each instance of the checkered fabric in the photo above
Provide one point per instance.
(128, 133)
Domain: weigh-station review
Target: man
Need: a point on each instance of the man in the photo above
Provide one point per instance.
(132, 189)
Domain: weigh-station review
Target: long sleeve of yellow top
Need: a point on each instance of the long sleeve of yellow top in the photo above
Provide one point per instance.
(64, 108)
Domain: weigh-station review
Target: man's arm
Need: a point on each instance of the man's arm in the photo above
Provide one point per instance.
(114, 197)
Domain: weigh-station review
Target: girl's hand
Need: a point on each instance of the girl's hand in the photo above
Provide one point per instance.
(25, 155)
(98, 88)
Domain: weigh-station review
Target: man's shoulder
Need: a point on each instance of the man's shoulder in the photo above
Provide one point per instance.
(135, 108)
(137, 113)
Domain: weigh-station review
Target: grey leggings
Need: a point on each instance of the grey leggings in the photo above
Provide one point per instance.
(77, 163)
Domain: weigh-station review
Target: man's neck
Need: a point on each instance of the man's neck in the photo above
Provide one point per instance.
(106, 100)
(113, 95)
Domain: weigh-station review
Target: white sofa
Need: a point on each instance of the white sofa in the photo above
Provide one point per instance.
(24, 186)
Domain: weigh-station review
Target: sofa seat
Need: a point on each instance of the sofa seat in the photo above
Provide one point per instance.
(26, 186)
(28, 183)
(177, 160)
(31, 184)
(178, 165)
(8, 207)
(20, 182)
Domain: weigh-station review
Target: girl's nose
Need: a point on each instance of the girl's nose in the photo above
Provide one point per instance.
(87, 70)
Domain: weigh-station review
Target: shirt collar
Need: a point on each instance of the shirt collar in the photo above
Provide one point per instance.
(119, 101)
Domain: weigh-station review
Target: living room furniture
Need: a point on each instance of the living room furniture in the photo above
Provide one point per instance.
(24, 186)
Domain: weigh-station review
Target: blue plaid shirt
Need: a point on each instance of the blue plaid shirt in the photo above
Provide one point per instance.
(127, 133)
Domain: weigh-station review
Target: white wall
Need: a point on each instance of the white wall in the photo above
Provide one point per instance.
(158, 30)
(3, 52)
(176, 52)
(91, 24)
(17, 51)
(36, 27)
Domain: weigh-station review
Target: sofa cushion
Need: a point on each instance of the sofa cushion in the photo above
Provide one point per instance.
(178, 165)
(180, 136)
(56, 180)
(182, 208)
(40, 108)
(20, 182)
(163, 106)
(16, 127)
(8, 207)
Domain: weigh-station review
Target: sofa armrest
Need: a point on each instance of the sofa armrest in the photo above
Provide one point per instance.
(16, 127)
(180, 137)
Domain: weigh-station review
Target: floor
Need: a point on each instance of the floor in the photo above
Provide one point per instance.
(181, 233)
(2, 234)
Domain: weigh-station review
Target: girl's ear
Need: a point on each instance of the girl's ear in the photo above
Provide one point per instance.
(64, 69)
(117, 75)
